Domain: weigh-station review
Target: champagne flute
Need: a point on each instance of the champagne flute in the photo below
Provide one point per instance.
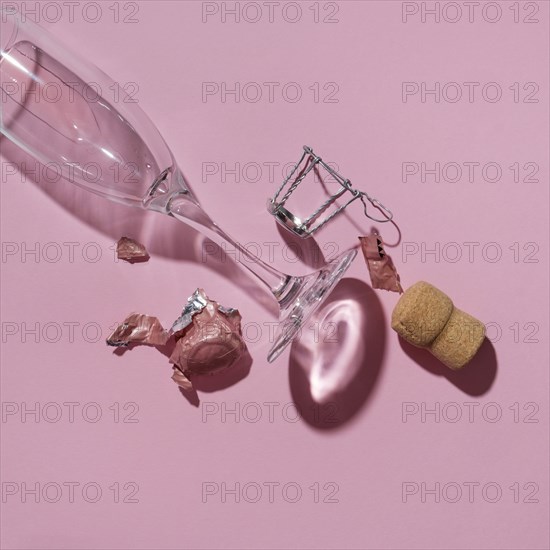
(53, 106)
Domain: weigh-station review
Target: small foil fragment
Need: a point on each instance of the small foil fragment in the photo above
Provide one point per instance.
(181, 380)
(131, 251)
(195, 303)
(139, 329)
(381, 269)
(208, 339)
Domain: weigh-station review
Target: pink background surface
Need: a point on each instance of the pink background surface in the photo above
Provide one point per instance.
(372, 453)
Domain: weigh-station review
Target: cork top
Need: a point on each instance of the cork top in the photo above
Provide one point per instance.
(421, 314)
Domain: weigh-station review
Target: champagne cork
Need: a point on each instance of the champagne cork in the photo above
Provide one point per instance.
(426, 317)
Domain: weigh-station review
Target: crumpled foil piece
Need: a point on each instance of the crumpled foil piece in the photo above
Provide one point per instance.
(139, 329)
(381, 269)
(131, 251)
(208, 339)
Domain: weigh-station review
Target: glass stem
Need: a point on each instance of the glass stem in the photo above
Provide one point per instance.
(184, 208)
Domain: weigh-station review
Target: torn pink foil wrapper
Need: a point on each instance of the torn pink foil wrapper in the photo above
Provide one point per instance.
(208, 339)
(131, 251)
(139, 329)
(382, 272)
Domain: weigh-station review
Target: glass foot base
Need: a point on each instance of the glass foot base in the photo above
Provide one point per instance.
(313, 291)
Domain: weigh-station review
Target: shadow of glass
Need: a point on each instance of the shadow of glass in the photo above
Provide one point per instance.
(162, 235)
(475, 379)
(307, 250)
(335, 366)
